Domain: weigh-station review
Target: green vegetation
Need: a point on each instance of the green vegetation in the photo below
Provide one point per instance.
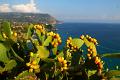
(35, 55)
(28, 18)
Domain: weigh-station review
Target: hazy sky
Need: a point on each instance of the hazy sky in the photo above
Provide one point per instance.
(68, 10)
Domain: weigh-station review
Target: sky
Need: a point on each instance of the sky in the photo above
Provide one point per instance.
(68, 10)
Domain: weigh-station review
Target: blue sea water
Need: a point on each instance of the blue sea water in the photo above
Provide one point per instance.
(107, 34)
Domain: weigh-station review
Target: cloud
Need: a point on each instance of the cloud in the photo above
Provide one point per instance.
(5, 8)
(26, 8)
(30, 7)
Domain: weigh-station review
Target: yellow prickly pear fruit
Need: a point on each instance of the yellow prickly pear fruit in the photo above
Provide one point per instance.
(88, 50)
(28, 64)
(4, 35)
(97, 61)
(88, 55)
(31, 54)
(60, 59)
(36, 67)
(11, 32)
(82, 37)
(72, 47)
(90, 47)
(59, 41)
(96, 58)
(87, 36)
(57, 36)
(65, 68)
(75, 47)
(32, 66)
(94, 54)
(30, 70)
(54, 45)
(65, 65)
(65, 61)
(35, 26)
(15, 34)
(52, 42)
(91, 39)
(89, 58)
(74, 50)
(70, 38)
(61, 69)
(51, 33)
(39, 27)
(34, 62)
(94, 40)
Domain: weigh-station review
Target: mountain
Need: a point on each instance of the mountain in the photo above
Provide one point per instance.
(28, 17)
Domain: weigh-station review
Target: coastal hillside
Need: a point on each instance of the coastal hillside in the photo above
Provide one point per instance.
(28, 17)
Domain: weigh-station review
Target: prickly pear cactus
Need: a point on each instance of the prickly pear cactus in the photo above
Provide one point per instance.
(35, 55)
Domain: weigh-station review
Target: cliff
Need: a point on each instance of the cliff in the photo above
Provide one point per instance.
(28, 17)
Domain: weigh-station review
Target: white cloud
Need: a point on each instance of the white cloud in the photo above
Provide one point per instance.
(5, 8)
(29, 7)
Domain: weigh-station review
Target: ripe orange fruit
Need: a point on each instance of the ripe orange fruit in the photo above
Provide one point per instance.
(88, 55)
(64, 62)
(34, 62)
(70, 38)
(82, 37)
(39, 27)
(100, 65)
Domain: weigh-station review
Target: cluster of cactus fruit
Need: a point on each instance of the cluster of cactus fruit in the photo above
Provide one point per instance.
(63, 63)
(40, 61)
(14, 34)
(40, 28)
(33, 65)
(70, 45)
(56, 39)
(92, 53)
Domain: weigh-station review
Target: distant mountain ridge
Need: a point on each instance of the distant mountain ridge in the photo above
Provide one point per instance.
(28, 17)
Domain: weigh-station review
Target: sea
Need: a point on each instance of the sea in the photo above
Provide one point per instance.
(107, 34)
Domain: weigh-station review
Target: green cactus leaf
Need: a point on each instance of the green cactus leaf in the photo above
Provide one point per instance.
(47, 41)
(10, 65)
(42, 39)
(3, 53)
(61, 54)
(112, 73)
(91, 72)
(1, 37)
(54, 50)
(25, 75)
(43, 52)
(7, 28)
(111, 55)
(77, 42)
(30, 31)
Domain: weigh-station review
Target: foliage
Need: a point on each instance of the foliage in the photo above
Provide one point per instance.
(36, 55)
